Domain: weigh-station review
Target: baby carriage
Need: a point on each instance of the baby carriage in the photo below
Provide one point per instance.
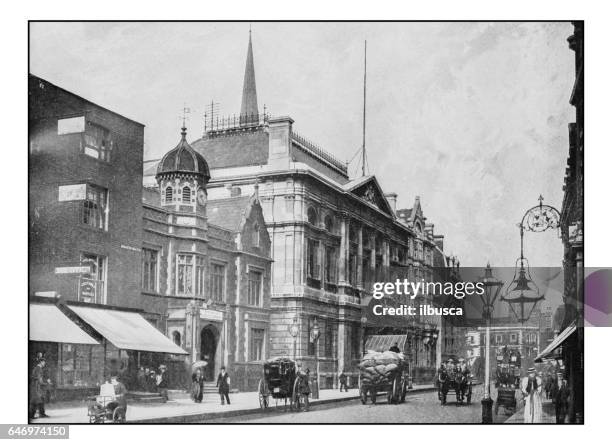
(107, 407)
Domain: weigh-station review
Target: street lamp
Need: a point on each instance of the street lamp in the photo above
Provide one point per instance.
(492, 287)
(294, 330)
(314, 337)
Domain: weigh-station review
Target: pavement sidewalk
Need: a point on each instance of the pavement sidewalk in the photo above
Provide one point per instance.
(180, 408)
(548, 413)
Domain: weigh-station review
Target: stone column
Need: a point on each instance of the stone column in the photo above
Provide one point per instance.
(344, 243)
(360, 283)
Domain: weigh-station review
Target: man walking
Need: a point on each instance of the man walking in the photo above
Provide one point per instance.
(38, 390)
(223, 383)
(560, 394)
(162, 382)
(342, 380)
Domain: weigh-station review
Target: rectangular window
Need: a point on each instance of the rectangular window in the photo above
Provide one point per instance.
(330, 264)
(97, 142)
(255, 287)
(95, 207)
(352, 272)
(256, 352)
(92, 284)
(313, 268)
(513, 337)
(149, 269)
(200, 267)
(329, 339)
(498, 338)
(184, 275)
(217, 282)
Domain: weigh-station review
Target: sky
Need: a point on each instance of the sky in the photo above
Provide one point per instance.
(471, 117)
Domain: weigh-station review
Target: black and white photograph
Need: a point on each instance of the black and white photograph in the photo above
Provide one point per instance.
(327, 221)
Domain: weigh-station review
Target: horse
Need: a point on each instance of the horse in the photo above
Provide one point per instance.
(460, 381)
(443, 384)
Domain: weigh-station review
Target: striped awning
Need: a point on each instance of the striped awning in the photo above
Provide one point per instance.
(556, 343)
(382, 343)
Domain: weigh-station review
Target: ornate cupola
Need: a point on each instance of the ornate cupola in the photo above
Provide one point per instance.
(182, 175)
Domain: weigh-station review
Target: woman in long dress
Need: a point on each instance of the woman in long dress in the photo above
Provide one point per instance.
(197, 387)
(531, 386)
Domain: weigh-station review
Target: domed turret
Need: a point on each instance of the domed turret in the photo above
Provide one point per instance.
(183, 159)
(182, 174)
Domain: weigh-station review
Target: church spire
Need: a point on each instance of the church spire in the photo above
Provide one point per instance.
(248, 111)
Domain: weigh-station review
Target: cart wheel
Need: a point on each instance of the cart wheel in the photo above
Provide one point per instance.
(403, 390)
(263, 396)
(119, 415)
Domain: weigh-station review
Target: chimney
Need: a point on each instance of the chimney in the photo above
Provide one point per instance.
(392, 199)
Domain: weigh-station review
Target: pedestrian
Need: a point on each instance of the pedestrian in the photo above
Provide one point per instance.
(223, 383)
(162, 382)
(342, 380)
(531, 387)
(141, 379)
(197, 386)
(38, 389)
(304, 388)
(120, 394)
(561, 395)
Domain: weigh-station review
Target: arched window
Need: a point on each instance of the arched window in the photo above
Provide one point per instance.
(187, 194)
(329, 223)
(176, 338)
(168, 194)
(312, 216)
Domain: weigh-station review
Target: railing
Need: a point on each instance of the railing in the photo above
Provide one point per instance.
(317, 151)
(235, 122)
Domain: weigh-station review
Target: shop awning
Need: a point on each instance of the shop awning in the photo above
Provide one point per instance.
(557, 341)
(127, 330)
(48, 323)
(382, 343)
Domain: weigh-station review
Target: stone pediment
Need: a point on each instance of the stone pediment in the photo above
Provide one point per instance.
(368, 189)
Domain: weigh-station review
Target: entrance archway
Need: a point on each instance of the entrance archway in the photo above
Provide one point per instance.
(208, 348)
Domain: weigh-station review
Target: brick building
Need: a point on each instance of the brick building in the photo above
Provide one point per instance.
(138, 277)
(85, 234)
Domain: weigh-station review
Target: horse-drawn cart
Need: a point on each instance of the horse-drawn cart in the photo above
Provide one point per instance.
(383, 372)
(282, 381)
(507, 379)
(457, 379)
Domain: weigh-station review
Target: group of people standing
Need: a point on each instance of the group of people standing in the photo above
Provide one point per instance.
(150, 380)
(556, 389)
(197, 385)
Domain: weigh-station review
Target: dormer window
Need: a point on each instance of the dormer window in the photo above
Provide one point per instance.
(187, 194)
(168, 194)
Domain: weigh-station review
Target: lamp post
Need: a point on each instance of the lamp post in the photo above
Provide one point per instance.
(492, 287)
(294, 330)
(314, 336)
